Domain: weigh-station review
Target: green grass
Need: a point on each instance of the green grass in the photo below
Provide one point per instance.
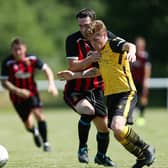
(62, 125)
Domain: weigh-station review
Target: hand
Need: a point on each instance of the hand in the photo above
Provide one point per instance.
(65, 75)
(93, 56)
(131, 57)
(52, 89)
(24, 93)
(144, 100)
(131, 49)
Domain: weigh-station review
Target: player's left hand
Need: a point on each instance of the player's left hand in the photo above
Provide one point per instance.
(131, 57)
(144, 100)
(52, 89)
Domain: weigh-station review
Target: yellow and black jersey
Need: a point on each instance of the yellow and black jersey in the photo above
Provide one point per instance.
(115, 68)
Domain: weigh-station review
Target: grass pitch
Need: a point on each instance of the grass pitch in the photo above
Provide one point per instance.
(62, 126)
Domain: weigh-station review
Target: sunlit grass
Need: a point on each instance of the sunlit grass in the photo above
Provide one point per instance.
(62, 125)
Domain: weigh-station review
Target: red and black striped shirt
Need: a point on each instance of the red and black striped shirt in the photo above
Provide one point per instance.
(21, 74)
(77, 48)
(138, 67)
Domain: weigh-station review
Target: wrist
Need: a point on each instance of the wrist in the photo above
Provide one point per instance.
(15, 90)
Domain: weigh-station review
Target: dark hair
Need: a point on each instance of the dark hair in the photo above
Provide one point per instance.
(86, 12)
(17, 41)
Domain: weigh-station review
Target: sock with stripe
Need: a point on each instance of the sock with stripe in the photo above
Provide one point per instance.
(132, 142)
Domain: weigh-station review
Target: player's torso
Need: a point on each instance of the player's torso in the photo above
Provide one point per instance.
(83, 47)
(20, 69)
(21, 73)
(115, 70)
(138, 67)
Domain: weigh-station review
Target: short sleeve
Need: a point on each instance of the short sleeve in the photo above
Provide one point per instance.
(4, 70)
(71, 47)
(116, 44)
(39, 64)
(111, 35)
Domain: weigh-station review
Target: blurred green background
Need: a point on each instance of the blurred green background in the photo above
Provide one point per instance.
(44, 26)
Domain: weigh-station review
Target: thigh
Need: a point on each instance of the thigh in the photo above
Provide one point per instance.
(78, 102)
(121, 105)
(35, 101)
(36, 107)
(23, 109)
(26, 107)
(96, 98)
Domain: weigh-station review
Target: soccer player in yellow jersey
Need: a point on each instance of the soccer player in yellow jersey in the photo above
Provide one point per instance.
(113, 64)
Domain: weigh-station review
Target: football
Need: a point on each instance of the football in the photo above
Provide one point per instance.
(3, 156)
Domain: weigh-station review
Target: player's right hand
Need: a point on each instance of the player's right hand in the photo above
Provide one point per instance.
(93, 56)
(65, 75)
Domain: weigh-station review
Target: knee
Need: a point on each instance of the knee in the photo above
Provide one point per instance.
(118, 124)
(117, 128)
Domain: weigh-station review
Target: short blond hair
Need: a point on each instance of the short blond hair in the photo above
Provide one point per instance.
(94, 27)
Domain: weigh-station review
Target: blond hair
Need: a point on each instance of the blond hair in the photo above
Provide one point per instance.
(94, 27)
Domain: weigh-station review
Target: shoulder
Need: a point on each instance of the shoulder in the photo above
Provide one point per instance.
(74, 36)
(111, 35)
(31, 57)
(8, 59)
(116, 43)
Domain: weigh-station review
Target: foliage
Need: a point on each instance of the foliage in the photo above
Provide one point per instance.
(45, 24)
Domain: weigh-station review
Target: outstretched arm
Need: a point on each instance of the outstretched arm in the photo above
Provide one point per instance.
(50, 76)
(69, 75)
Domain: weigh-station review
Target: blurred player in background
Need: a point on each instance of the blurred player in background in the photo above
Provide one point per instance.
(85, 96)
(113, 64)
(141, 70)
(18, 71)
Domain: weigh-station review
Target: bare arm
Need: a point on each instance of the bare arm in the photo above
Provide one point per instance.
(147, 74)
(50, 76)
(131, 49)
(13, 89)
(78, 65)
(69, 75)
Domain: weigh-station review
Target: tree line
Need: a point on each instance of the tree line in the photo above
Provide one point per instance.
(44, 26)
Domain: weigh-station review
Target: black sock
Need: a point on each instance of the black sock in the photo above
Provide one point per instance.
(102, 142)
(43, 130)
(141, 109)
(83, 130)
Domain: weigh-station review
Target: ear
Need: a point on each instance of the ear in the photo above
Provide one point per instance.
(105, 34)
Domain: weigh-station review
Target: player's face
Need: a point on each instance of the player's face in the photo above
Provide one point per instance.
(18, 51)
(98, 40)
(83, 23)
(140, 44)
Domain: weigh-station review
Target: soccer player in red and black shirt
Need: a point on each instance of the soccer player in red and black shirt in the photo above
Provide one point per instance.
(85, 96)
(141, 70)
(17, 75)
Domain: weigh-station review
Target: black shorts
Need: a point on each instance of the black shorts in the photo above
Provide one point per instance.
(95, 97)
(121, 104)
(24, 108)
